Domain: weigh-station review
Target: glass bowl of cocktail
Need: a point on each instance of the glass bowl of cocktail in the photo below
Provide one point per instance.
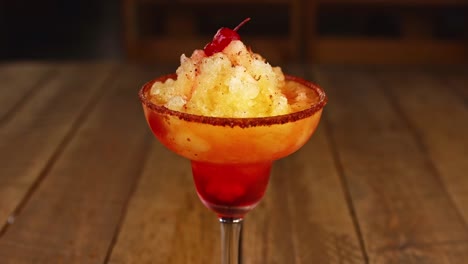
(231, 158)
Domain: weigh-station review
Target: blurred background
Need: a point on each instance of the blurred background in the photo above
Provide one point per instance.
(158, 31)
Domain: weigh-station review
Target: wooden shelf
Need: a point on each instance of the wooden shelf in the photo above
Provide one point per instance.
(421, 3)
(181, 31)
(387, 51)
(415, 42)
(216, 2)
(180, 27)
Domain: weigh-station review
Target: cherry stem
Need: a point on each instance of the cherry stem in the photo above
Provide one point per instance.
(241, 24)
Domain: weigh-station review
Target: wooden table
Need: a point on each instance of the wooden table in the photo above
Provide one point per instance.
(82, 180)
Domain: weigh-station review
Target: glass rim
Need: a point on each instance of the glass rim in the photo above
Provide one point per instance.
(242, 122)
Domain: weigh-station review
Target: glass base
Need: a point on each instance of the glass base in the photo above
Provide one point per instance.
(228, 211)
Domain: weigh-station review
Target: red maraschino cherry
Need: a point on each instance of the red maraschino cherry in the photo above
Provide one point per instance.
(223, 37)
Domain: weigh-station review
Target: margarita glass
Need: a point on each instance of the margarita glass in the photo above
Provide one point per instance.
(231, 158)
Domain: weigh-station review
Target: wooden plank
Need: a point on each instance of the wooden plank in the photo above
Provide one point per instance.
(165, 221)
(336, 50)
(74, 213)
(439, 120)
(41, 126)
(19, 82)
(457, 80)
(450, 253)
(400, 203)
(303, 217)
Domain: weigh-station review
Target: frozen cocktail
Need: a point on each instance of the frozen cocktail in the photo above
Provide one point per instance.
(232, 115)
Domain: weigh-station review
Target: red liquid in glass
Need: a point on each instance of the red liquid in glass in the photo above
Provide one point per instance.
(231, 190)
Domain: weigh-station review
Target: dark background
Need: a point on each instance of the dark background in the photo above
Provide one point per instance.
(92, 29)
(60, 29)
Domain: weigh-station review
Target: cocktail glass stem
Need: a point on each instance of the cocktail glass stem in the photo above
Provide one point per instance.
(230, 240)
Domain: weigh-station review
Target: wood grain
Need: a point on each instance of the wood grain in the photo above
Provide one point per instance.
(439, 120)
(19, 82)
(383, 180)
(73, 215)
(399, 198)
(445, 253)
(32, 138)
(304, 216)
(165, 221)
(457, 80)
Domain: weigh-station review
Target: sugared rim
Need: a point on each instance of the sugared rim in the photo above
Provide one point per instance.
(233, 122)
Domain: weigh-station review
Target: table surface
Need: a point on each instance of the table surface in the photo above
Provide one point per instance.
(383, 180)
